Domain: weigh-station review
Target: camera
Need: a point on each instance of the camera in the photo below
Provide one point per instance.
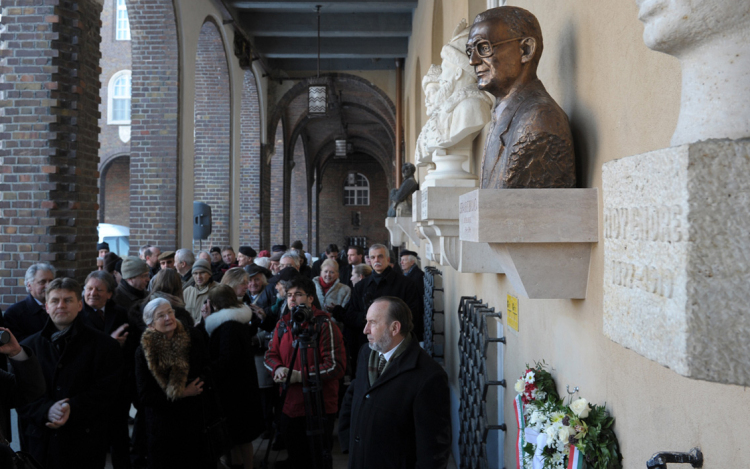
(301, 314)
(4, 337)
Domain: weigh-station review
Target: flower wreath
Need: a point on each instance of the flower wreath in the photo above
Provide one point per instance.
(553, 435)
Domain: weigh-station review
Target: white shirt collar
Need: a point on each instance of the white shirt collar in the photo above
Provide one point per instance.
(390, 353)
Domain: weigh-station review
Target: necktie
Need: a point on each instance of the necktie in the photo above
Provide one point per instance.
(100, 313)
(381, 365)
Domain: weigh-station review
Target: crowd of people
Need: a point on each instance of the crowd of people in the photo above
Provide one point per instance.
(206, 347)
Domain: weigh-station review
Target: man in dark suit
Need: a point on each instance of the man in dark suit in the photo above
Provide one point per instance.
(399, 404)
(355, 255)
(411, 270)
(332, 252)
(28, 316)
(66, 428)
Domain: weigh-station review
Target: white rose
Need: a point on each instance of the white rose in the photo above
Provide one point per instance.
(564, 434)
(580, 407)
(550, 431)
(520, 386)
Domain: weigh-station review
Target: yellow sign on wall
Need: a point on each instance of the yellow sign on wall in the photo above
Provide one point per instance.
(513, 312)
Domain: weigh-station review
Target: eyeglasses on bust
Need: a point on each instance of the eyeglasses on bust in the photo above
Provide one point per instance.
(484, 47)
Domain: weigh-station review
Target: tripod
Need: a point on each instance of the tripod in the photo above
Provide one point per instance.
(306, 339)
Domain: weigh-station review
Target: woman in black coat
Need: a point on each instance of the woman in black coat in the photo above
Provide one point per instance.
(233, 369)
(169, 364)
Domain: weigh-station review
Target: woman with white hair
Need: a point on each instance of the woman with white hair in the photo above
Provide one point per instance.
(169, 365)
(331, 292)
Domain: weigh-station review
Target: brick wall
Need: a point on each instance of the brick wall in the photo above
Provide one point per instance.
(298, 207)
(154, 124)
(277, 190)
(49, 97)
(250, 164)
(314, 246)
(116, 56)
(335, 219)
(212, 173)
(115, 192)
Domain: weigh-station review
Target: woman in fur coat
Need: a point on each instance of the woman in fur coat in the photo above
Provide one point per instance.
(233, 369)
(330, 290)
(169, 364)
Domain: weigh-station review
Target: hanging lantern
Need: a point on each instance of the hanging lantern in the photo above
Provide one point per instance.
(341, 148)
(318, 99)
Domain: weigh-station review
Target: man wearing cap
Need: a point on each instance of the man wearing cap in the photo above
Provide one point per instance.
(218, 267)
(256, 283)
(196, 295)
(183, 263)
(411, 269)
(273, 262)
(166, 260)
(132, 287)
(103, 249)
(246, 256)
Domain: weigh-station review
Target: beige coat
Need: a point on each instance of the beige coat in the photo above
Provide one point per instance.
(194, 299)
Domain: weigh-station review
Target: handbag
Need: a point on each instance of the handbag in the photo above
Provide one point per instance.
(215, 432)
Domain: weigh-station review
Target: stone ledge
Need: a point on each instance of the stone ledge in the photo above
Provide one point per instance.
(540, 238)
(677, 258)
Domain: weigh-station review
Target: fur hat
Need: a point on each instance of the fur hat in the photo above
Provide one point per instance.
(133, 266)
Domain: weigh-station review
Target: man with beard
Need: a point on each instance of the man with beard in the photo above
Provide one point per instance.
(384, 281)
(394, 373)
(430, 87)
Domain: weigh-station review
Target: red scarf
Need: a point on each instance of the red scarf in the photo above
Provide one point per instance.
(324, 285)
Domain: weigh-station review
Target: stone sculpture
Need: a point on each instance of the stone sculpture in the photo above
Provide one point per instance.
(402, 195)
(529, 144)
(430, 86)
(460, 113)
(711, 39)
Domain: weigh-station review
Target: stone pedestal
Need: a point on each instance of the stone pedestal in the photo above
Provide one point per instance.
(677, 257)
(540, 238)
(451, 167)
(402, 229)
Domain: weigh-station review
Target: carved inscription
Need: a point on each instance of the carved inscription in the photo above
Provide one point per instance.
(648, 278)
(467, 213)
(653, 223)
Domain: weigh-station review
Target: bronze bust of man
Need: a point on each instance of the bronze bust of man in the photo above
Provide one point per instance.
(404, 192)
(529, 144)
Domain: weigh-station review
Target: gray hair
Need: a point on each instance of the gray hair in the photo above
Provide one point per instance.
(380, 246)
(151, 307)
(291, 254)
(185, 255)
(412, 258)
(104, 276)
(31, 272)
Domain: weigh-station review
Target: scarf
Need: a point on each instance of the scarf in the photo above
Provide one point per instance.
(372, 363)
(168, 359)
(325, 286)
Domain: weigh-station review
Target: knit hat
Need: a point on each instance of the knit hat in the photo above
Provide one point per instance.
(133, 266)
(248, 251)
(201, 264)
(101, 246)
(297, 245)
(264, 253)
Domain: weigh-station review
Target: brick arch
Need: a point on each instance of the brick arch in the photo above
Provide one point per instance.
(212, 117)
(114, 191)
(154, 153)
(251, 166)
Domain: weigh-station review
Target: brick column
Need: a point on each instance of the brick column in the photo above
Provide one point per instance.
(251, 168)
(154, 162)
(49, 111)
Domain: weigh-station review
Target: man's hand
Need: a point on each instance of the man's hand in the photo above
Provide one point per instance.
(296, 377)
(58, 414)
(279, 375)
(121, 335)
(12, 348)
(258, 311)
(193, 389)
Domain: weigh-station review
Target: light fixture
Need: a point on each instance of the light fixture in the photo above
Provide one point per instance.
(317, 94)
(341, 148)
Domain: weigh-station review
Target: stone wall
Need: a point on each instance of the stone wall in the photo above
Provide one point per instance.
(154, 160)
(49, 108)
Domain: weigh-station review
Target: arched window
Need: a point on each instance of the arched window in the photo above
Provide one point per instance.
(123, 25)
(356, 190)
(118, 97)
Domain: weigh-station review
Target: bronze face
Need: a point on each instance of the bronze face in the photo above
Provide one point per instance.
(498, 72)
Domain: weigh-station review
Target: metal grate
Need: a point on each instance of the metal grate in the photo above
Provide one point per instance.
(434, 319)
(474, 377)
(357, 241)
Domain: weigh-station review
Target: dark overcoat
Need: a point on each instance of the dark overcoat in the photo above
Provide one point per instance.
(85, 370)
(416, 275)
(25, 318)
(403, 419)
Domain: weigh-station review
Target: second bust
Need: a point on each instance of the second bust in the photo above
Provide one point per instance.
(529, 144)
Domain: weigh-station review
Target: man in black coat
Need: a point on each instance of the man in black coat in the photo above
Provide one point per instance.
(411, 269)
(28, 316)
(332, 252)
(66, 428)
(355, 255)
(399, 403)
(383, 281)
(132, 287)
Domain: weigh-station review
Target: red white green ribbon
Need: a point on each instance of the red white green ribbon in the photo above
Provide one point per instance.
(575, 459)
(520, 443)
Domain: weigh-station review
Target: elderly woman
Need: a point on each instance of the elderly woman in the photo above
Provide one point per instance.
(233, 368)
(196, 295)
(330, 291)
(166, 284)
(169, 364)
(359, 272)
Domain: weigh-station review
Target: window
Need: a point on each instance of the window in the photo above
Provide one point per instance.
(123, 25)
(118, 96)
(356, 190)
